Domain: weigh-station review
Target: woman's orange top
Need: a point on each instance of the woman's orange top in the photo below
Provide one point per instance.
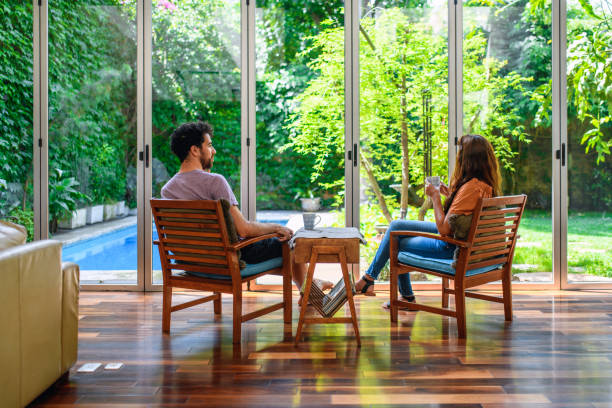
(466, 199)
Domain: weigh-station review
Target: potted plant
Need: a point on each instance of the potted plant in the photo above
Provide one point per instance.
(77, 218)
(110, 210)
(95, 213)
(63, 198)
(310, 203)
(120, 208)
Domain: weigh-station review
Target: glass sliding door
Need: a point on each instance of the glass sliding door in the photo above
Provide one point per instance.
(506, 98)
(92, 137)
(16, 102)
(299, 61)
(403, 85)
(196, 76)
(589, 134)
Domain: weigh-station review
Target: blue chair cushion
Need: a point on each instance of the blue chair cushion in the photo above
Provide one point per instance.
(439, 265)
(249, 270)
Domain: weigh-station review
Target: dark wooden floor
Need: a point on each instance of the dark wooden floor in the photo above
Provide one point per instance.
(557, 352)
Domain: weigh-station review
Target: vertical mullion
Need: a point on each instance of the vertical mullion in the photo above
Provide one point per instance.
(351, 109)
(455, 80)
(352, 126)
(356, 128)
(252, 146)
(247, 110)
(244, 106)
(40, 142)
(145, 250)
(348, 115)
(559, 131)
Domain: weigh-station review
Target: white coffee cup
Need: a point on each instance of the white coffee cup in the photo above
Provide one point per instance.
(433, 180)
(310, 220)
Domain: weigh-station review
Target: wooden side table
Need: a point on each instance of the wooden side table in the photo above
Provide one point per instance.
(327, 250)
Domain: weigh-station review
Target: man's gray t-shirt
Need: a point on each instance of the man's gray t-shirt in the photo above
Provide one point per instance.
(198, 185)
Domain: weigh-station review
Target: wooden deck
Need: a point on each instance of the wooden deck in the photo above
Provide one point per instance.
(557, 352)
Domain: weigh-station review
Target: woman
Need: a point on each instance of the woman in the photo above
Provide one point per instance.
(476, 175)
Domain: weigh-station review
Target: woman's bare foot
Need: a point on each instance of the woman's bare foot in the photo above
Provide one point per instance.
(365, 286)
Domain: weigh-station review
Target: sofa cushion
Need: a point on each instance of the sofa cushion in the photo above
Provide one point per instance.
(439, 265)
(249, 270)
(11, 235)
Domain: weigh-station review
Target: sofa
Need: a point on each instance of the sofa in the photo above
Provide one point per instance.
(38, 318)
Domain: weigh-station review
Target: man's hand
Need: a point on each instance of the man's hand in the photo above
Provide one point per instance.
(285, 233)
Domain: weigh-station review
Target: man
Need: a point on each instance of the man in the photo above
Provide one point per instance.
(192, 143)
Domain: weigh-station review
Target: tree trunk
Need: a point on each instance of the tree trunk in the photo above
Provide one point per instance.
(427, 204)
(374, 183)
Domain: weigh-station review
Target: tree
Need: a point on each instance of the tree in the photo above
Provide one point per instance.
(400, 59)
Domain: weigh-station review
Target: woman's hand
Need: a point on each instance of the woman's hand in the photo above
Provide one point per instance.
(444, 190)
(432, 190)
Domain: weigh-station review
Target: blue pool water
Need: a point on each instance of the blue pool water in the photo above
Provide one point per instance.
(113, 251)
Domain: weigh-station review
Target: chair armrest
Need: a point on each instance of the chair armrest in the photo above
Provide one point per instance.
(252, 240)
(433, 236)
(156, 242)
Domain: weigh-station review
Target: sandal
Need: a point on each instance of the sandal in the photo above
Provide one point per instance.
(411, 299)
(365, 290)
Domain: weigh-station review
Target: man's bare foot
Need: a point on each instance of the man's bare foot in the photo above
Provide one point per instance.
(323, 284)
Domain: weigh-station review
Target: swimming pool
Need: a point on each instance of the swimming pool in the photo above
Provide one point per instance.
(114, 251)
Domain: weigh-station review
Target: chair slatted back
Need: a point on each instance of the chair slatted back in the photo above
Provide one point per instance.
(192, 237)
(494, 231)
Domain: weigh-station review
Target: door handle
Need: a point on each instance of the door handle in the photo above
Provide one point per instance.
(560, 154)
(144, 155)
(355, 155)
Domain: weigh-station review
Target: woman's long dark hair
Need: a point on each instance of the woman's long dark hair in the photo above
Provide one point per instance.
(475, 159)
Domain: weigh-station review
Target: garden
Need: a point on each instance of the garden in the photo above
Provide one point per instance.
(300, 107)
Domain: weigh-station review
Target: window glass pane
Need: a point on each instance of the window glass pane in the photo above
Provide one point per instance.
(196, 76)
(300, 114)
(506, 98)
(403, 57)
(589, 134)
(16, 101)
(92, 137)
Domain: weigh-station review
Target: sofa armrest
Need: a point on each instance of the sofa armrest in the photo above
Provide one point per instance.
(70, 314)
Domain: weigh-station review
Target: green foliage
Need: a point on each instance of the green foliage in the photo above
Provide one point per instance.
(63, 194)
(91, 103)
(299, 94)
(590, 87)
(400, 60)
(16, 62)
(25, 218)
(589, 79)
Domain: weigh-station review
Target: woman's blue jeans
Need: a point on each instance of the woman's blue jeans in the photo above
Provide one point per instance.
(427, 247)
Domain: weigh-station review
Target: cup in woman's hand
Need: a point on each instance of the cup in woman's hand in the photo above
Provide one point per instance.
(433, 180)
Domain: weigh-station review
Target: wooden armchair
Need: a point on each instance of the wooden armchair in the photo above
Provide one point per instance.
(196, 253)
(486, 256)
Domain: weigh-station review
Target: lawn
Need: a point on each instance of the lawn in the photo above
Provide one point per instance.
(589, 243)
